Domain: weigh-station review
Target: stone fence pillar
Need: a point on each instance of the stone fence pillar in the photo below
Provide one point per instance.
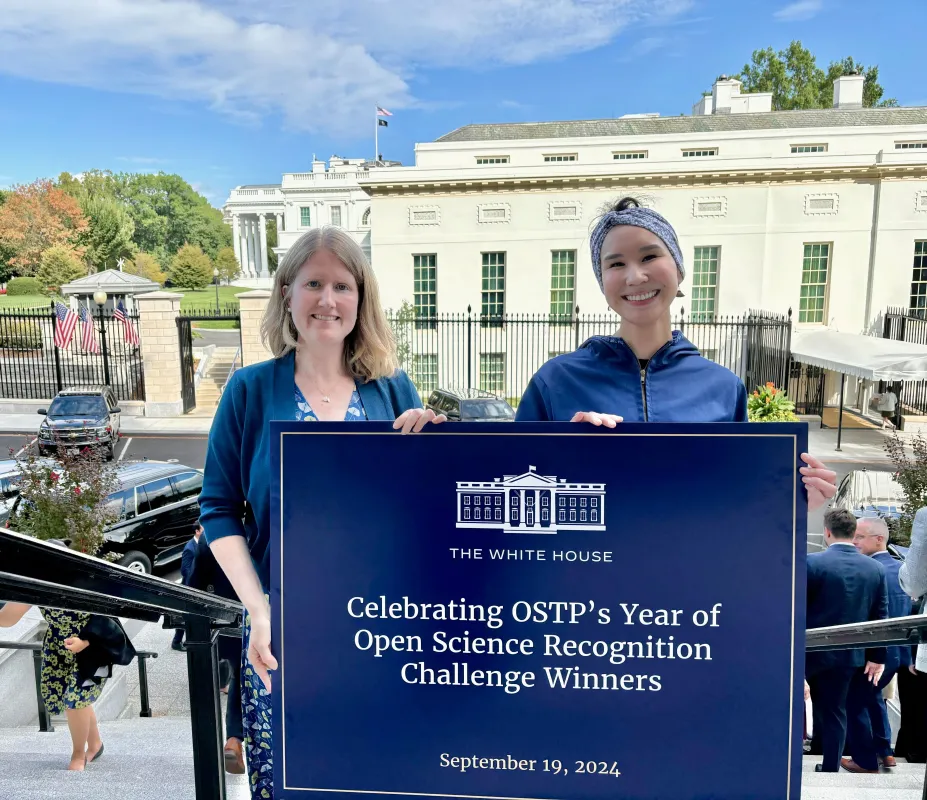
(252, 305)
(157, 312)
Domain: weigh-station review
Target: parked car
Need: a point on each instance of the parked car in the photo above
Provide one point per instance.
(82, 416)
(870, 493)
(156, 508)
(470, 405)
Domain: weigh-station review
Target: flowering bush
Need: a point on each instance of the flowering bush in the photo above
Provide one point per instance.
(769, 404)
(65, 498)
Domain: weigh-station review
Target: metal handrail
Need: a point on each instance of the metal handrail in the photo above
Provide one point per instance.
(50, 576)
(45, 719)
(231, 370)
(899, 631)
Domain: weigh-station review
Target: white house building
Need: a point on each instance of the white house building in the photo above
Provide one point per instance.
(531, 503)
(325, 195)
(821, 211)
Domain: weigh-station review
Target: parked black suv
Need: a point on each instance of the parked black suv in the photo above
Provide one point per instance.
(470, 405)
(156, 509)
(83, 416)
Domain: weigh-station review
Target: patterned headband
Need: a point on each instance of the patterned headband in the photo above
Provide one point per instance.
(645, 218)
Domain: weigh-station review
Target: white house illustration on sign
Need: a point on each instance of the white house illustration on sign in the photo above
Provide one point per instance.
(531, 503)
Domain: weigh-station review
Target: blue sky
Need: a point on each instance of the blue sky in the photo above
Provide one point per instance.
(236, 92)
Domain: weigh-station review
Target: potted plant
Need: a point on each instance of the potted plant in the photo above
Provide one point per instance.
(769, 404)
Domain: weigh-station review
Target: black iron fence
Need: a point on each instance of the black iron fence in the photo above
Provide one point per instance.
(500, 354)
(205, 311)
(906, 326)
(33, 368)
(806, 387)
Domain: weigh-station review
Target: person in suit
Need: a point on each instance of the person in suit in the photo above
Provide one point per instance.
(186, 569)
(844, 586)
(868, 731)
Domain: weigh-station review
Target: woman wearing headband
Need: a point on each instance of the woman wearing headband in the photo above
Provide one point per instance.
(647, 372)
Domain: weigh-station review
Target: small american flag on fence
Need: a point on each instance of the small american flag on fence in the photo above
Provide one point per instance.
(88, 340)
(121, 314)
(65, 322)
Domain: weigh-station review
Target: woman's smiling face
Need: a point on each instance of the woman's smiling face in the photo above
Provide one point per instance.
(639, 276)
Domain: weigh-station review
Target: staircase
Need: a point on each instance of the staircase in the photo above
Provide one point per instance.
(217, 372)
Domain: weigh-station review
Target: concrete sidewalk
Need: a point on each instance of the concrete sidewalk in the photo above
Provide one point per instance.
(857, 445)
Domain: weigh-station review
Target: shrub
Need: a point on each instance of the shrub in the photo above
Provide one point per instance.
(60, 265)
(19, 287)
(911, 475)
(20, 335)
(769, 404)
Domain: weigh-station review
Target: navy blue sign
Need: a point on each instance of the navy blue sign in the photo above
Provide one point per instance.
(539, 611)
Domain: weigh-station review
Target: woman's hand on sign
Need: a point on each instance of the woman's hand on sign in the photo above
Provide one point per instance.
(413, 420)
(259, 649)
(820, 482)
(608, 420)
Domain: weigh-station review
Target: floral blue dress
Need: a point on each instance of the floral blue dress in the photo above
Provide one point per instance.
(255, 700)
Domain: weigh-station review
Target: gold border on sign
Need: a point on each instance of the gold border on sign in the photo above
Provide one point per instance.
(309, 432)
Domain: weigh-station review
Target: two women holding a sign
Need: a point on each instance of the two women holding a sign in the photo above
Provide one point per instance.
(334, 360)
(648, 372)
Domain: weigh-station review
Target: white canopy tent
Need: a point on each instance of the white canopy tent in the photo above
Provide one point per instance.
(867, 357)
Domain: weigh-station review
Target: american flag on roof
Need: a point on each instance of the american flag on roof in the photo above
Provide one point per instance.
(122, 315)
(382, 112)
(65, 322)
(88, 341)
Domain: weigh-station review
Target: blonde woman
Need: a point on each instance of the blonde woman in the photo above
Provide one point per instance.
(333, 360)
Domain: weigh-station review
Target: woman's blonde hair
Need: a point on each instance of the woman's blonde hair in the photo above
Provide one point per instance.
(370, 349)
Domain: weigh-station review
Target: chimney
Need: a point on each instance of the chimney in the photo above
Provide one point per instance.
(848, 91)
(722, 94)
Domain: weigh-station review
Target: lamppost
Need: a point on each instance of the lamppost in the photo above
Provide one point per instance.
(215, 280)
(100, 297)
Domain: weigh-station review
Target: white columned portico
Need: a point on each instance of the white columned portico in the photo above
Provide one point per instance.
(262, 244)
(279, 216)
(249, 241)
(236, 237)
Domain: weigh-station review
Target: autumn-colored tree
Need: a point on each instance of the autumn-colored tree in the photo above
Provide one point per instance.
(145, 265)
(35, 217)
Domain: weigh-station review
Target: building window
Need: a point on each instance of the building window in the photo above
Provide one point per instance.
(595, 515)
(466, 513)
(492, 373)
(572, 515)
(498, 500)
(594, 502)
(630, 155)
(562, 283)
(514, 499)
(809, 148)
(545, 500)
(919, 279)
(814, 272)
(486, 160)
(572, 501)
(704, 283)
(425, 290)
(582, 515)
(466, 499)
(305, 217)
(477, 513)
(557, 157)
(425, 372)
(911, 145)
(498, 514)
(336, 215)
(561, 516)
(583, 501)
(493, 306)
(703, 153)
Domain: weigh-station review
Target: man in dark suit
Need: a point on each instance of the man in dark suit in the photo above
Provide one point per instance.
(186, 570)
(844, 586)
(868, 732)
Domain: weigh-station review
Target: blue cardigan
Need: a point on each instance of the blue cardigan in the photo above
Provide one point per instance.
(235, 500)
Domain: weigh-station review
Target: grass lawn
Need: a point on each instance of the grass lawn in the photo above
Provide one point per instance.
(206, 299)
(25, 301)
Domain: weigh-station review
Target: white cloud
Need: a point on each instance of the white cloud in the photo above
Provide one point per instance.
(799, 10)
(320, 66)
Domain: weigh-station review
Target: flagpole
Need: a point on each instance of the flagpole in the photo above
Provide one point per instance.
(376, 135)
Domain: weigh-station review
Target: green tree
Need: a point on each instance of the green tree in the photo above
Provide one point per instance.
(191, 268)
(227, 264)
(145, 265)
(109, 236)
(797, 82)
(911, 475)
(401, 322)
(271, 244)
(60, 265)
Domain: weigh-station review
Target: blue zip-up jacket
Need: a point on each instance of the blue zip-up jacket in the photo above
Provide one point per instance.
(238, 454)
(899, 605)
(604, 375)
